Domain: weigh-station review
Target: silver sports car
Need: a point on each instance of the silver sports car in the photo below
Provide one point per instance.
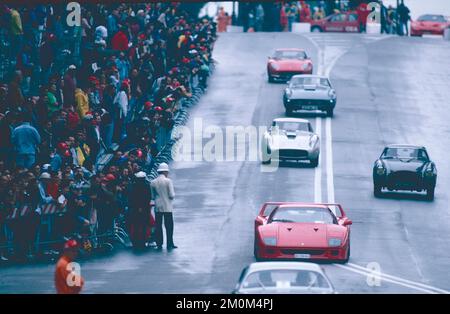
(291, 139)
(309, 92)
(283, 278)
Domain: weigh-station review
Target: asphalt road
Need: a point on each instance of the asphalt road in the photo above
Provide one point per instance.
(390, 90)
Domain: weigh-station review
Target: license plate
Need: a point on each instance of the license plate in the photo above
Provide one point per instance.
(309, 107)
(302, 255)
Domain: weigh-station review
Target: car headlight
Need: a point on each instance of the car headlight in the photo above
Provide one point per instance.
(275, 66)
(429, 172)
(306, 66)
(313, 140)
(271, 241)
(332, 93)
(333, 242)
(381, 171)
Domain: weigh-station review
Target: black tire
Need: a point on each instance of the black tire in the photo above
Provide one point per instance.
(314, 162)
(430, 194)
(316, 29)
(345, 261)
(267, 162)
(269, 78)
(289, 112)
(377, 190)
(330, 113)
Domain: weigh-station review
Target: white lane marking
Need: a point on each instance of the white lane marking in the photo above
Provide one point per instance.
(393, 279)
(329, 149)
(385, 279)
(318, 169)
(356, 266)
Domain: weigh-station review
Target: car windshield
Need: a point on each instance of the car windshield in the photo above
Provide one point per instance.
(405, 153)
(299, 82)
(432, 18)
(293, 126)
(289, 54)
(285, 279)
(303, 215)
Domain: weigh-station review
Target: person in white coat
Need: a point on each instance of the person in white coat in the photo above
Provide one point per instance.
(163, 194)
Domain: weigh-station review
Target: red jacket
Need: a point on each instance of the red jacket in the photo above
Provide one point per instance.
(62, 272)
(363, 13)
(120, 41)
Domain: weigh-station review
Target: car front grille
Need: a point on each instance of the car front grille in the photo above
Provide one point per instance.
(405, 177)
(302, 251)
(287, 75)
(292, 153)
(309, 102)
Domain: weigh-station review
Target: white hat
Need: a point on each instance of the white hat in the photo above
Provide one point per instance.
(101, 31)
(72, 67)
(45, 175)
(140, 174)
(163, 167)
(45, 167)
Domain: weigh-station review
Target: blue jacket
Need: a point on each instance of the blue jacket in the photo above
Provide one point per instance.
(25, 139)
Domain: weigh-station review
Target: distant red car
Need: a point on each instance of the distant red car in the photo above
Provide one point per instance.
(287, 62)
(429, 24)
(302, 231)
(347, 22)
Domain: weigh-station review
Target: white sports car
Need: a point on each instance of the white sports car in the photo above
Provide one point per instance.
(290, 139)
(283, 278)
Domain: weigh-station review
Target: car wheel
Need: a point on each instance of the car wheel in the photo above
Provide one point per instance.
(330, 113)
(289, 112)
(269, 78)
(347, 258)
(377, 190)
(316, 29)
(430, 194)
(266, 162)
(314, 162)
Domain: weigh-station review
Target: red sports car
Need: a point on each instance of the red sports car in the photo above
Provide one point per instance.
(429, 24)
(287, 62)
(340, 22)
(302, 231)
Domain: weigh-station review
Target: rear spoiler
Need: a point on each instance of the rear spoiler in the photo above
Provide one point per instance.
(267, 204)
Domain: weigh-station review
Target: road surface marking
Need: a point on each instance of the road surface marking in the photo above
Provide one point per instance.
(393, 279)
(329, 149)
(318, 169)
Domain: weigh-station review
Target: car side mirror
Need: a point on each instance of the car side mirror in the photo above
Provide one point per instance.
(347, 222)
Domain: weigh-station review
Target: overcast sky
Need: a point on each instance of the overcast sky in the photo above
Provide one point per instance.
(417, 7)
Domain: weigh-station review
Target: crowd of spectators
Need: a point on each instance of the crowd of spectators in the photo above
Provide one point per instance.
(112, 84)
(281, 15)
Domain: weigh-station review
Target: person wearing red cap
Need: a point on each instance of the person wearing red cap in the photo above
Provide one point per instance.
(61, 157)
(68, 279)
(148, 105)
